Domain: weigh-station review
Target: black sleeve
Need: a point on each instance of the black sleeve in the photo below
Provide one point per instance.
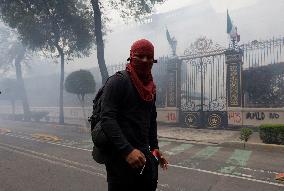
(153, 139)
(111, 99)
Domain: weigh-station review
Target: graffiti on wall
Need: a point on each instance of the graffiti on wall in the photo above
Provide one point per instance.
(235, 117)
(261, 116)
(274, 115)
(171, 116)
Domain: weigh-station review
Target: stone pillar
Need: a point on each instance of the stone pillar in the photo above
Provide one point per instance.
(234, 78)
(173, 93)
(235, 96)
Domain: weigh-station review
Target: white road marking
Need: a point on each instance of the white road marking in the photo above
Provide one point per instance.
(49, 156)
(228, 175)
(55, 162)
(25, 152)
(37, 140)
(175, 166)
(261, 171)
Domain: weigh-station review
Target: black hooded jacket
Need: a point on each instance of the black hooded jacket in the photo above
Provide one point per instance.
(127, 120)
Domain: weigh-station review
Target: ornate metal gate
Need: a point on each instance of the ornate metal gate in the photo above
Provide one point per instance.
(203, 85)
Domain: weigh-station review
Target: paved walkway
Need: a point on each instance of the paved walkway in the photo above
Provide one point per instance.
(203, 135)
(222, 137)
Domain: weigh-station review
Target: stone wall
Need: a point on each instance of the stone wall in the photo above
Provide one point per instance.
(74, 114)
(168, 115)
(255, 116)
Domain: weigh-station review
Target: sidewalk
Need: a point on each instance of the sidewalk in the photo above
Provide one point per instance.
(224, 138)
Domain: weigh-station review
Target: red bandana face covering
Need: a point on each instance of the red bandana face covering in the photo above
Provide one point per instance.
(139, 68)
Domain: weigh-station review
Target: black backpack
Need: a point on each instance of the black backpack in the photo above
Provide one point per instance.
(100, 140)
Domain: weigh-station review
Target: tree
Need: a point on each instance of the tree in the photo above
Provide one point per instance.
(61, 27)
(13, 53)
(264, 85)
(128, 9)
(10, 91)
(81, 83)
(99, 40)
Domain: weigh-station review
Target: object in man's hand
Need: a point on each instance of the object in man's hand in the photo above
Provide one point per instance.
(156, 154)
(141, 172)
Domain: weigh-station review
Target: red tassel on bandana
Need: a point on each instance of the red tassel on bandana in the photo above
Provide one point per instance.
(140, 71)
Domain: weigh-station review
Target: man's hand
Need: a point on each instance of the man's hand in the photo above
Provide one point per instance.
(163, 162)
(136, 159)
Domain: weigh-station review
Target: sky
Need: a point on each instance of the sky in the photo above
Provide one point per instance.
(171, 5)
(255, 19)
(218, 5)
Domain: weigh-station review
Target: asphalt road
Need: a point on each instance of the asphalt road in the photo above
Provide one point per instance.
(48, 157)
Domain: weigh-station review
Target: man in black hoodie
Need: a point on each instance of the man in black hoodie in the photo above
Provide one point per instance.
(129, 122)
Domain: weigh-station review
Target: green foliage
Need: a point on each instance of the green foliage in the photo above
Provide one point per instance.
(80, 83)
(272, 133)
(264, 86)
(133, 8)
(11, 48)
(245, 134)
(62, 27)
(45, 25)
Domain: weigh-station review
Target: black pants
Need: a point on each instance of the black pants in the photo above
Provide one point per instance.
(122, 177)
(147, 186)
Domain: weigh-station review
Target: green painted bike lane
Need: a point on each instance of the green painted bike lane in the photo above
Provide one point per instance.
(239, 158)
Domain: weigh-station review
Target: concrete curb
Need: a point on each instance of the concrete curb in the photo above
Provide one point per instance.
(254, 146)
(187, 140)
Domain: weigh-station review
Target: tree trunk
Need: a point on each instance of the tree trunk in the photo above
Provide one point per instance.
(13, 107)
(99, 40)
(84, 115)
(26, 107)
(61, 111)
(82, 101)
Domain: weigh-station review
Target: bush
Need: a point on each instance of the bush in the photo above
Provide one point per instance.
(18, 117)
(272, 134)
(38, 115)
(245, 134)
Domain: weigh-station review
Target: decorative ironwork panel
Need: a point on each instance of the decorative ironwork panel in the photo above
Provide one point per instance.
(203, 77)
(203, 47)
(234, 86)
(210, 119)
(216, 119)
(192, 119)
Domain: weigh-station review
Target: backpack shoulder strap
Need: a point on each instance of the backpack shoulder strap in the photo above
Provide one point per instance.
(122, 73)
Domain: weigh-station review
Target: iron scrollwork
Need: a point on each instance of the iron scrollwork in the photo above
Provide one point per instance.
(203, 47)
(217, 104)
